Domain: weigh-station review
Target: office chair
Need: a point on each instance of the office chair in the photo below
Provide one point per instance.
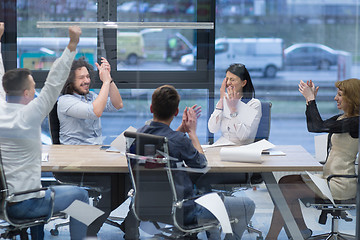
(241, 181)
(73, 178)
(154, 195)
(14, 227)
(337, 212)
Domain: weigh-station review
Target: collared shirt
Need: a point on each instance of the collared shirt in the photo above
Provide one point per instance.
(20, 131)
(78, 123)
(241, 129)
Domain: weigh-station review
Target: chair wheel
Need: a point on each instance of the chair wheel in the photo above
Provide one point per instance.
(54, 232)
(259, 238)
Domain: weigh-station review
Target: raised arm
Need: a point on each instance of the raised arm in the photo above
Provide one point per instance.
(190, 125)
(108, 88)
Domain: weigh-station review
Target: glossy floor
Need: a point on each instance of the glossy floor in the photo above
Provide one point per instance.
(261, 221)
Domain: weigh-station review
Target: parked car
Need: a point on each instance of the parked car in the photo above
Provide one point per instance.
(311, 54)
(263, 55)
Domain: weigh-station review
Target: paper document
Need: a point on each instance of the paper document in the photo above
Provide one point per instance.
(215, 205)
(321, 147)
(321, 183)
(83, 212)
(119, 144)
(247, 153)
(220, 142)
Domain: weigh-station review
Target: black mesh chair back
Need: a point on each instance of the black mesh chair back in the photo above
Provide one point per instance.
(54, 125)
(154, 195)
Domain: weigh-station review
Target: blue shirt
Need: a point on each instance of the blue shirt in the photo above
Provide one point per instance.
(78, 123)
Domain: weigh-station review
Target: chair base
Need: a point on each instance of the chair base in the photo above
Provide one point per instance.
(11, 234)
(333, 236)
(251, 229)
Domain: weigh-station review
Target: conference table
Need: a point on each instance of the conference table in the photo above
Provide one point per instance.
(91, 159)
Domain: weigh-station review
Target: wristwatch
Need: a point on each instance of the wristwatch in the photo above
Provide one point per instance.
(234, 114)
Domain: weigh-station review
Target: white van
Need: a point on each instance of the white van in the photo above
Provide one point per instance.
(257, 54)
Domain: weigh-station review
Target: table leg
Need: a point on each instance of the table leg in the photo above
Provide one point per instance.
(279, 201)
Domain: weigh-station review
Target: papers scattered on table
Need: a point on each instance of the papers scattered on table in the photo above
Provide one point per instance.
(249, 153)
(83, 212)
(220, 142)
(45, 157)
(119, 144)
(322, 185)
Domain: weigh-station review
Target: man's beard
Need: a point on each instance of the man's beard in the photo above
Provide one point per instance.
(78, 91)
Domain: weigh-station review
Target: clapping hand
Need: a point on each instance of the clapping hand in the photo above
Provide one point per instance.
(232, 99)
(104, 70)
(308, 90)
(189, 119)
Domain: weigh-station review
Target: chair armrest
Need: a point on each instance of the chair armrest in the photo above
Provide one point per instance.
(29, 191)
(181, 202)
(341, 175)
(52, 196)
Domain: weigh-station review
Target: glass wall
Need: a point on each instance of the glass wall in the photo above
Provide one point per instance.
(280, 41)
(283, 42)
(154, 49)
(37, 48)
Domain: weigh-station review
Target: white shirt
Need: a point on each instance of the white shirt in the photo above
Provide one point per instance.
(241, 129)
(20, 131)
(2, 72)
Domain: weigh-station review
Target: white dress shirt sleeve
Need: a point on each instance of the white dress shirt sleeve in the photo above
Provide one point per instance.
(2, 72)
(215, 120)
(55, 80)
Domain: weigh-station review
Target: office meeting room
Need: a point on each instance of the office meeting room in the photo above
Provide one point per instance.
(179, 119)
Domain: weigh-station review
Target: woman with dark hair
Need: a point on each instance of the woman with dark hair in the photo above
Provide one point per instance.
(237, 113)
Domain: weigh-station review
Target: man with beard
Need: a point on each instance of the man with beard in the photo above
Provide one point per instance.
(79, 111)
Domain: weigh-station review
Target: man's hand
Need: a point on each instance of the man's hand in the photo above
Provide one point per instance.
(104, 70)
(74, 34)
(190, 120)
(2, 27)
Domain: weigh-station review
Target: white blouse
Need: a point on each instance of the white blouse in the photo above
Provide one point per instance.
(241, 129)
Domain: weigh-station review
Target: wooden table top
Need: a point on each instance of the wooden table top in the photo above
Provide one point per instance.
(89, 158)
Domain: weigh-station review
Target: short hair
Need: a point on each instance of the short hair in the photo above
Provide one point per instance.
(165, 102)
(240, 70)
(69, 84)
(16, 81)
(351, 94)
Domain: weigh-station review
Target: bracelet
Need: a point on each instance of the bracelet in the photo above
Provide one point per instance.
(219, 109)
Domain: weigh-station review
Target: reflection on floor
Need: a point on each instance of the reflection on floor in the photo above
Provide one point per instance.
(261, 220)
